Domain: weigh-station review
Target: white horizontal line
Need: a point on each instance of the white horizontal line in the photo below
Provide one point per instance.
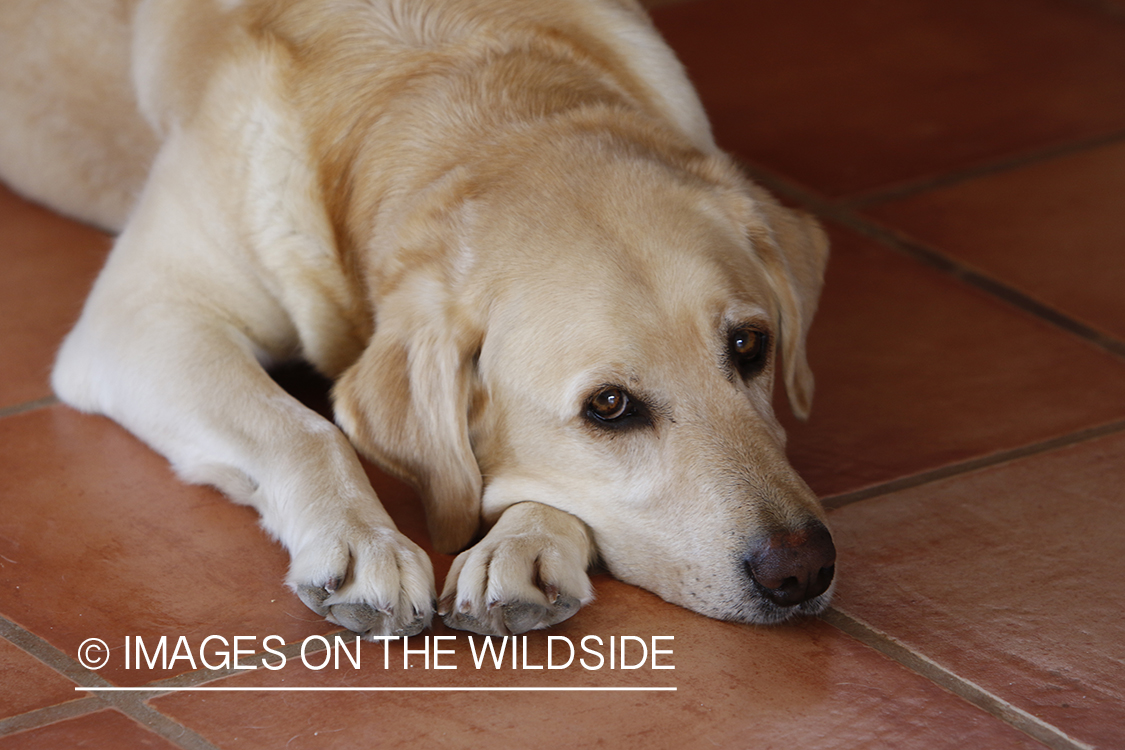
(154, 689)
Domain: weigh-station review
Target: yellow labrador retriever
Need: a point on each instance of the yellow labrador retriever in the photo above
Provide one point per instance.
(501, 226)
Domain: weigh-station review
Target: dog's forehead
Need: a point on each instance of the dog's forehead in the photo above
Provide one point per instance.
(630, 321)
(677, 260)
(628, 277)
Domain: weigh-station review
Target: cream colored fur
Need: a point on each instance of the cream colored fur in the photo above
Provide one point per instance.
(472, 214)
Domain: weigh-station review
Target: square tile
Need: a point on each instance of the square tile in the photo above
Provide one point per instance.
(916, 370)
(49, 265)
(852, 95)
(1008, 577)
(1053, 230)
(28, 684)
(801, 685)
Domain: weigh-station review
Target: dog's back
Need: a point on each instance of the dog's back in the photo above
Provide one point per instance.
(70, 133)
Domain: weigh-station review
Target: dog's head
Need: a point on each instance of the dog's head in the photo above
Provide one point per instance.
(604, 338)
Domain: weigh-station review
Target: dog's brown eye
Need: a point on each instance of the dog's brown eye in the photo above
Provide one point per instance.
(610, 404)
(749, 348)
(615, 409)
(747, 342)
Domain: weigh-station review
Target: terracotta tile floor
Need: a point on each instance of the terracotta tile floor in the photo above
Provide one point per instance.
(968, 158)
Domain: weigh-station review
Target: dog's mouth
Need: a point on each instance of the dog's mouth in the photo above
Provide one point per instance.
(755, 607)
(767, 612)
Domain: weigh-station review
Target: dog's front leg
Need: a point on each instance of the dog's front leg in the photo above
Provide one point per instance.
(529, 572)
(168, 345)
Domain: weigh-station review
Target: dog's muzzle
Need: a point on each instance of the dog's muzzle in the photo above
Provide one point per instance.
(791, 567)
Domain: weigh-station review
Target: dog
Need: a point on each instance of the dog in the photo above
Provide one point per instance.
(501, 227)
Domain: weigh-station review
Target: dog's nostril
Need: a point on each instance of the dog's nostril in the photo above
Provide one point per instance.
(794, 566)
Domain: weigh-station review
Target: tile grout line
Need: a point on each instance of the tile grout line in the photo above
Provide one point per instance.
(835, 502)
(41, 717)
(39, 403)
(49, 655)
(132, 705)
(841, 214)
(910, 188)
(988, 284)
(916, 662)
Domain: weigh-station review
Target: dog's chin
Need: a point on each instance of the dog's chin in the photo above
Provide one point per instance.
(765, 612)
(755, 609)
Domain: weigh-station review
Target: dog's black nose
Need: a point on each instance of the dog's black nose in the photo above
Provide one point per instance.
(791, 567)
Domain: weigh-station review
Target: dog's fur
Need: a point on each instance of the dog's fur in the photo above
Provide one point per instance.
(473, 215)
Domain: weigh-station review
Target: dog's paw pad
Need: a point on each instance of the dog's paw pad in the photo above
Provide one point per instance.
(468, 623)
(520, 617)
(507, 586)
(358, 618)
(388, 587)
(371, 621)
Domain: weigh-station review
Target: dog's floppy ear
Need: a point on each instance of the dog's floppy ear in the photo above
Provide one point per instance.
(405, 404)
(794, 249)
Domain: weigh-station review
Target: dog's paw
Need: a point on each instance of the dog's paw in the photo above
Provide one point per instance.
(372, 581)
(528, 573)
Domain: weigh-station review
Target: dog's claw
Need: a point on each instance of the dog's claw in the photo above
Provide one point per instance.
(445, 605)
